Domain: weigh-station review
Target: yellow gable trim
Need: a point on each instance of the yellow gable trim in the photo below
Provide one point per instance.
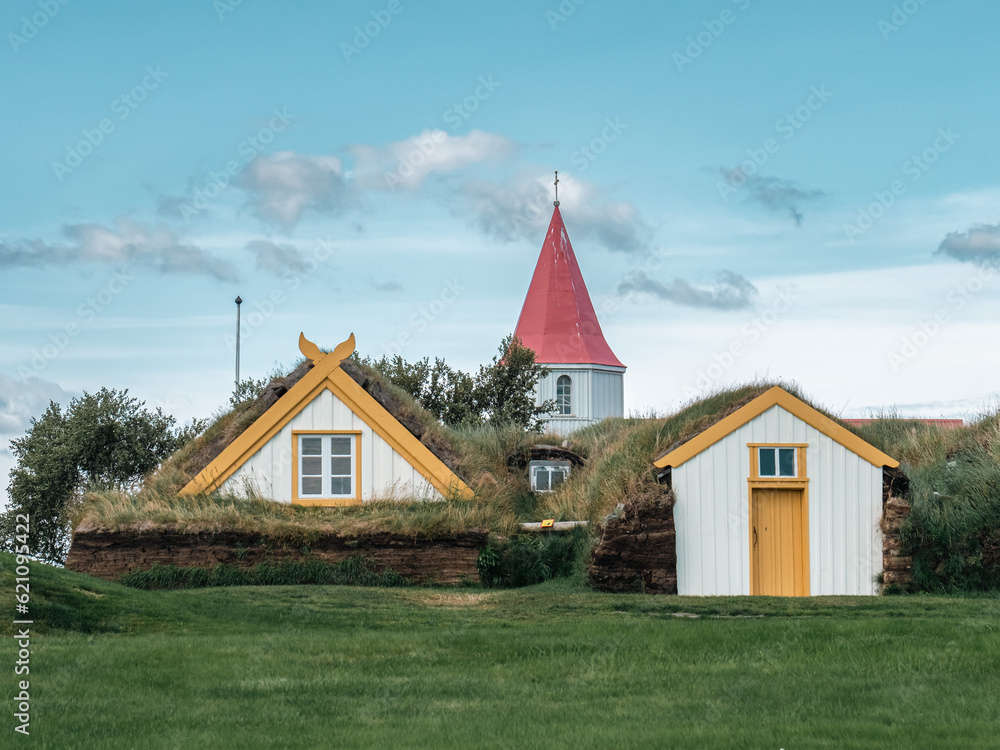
(327, 375)
(776, 396)
(418, 455)
(266, 426)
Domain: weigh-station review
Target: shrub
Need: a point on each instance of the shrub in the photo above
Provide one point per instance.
(527, 559)
(954, 527)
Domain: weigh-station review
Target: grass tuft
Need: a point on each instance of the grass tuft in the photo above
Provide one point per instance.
(252, 513)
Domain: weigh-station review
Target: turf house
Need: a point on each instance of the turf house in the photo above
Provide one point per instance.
(777, 499)
(327, 441)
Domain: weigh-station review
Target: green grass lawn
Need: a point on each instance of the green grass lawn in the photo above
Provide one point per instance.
(549, 666)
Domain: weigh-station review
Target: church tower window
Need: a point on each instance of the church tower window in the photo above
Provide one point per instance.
(564, 395)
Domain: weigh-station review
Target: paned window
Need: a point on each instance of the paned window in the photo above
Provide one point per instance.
(777, 462)
(326, 466)
(564, 395)
(547, 475)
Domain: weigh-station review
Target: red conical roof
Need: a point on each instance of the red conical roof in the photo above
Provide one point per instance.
(558, 320)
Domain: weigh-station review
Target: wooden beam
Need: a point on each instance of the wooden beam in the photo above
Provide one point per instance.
(557, 526)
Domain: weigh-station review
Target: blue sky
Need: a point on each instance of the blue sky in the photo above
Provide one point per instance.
(797, 190)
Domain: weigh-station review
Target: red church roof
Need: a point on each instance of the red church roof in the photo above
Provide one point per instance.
(558, 320)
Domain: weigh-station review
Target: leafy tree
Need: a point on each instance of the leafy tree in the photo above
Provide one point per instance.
(41, 485)
(501, 392)
(104, 440)
(412, 377)
(505, 389)
(451, 395)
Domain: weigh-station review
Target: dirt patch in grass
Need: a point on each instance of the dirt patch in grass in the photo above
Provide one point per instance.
(94, 594)
(450, 600)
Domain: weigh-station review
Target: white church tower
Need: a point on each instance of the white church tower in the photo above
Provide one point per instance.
(559, 323)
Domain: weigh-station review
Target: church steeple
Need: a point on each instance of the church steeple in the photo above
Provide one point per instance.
(558, 320)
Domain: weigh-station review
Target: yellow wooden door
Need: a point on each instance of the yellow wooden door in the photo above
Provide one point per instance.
(779, 564)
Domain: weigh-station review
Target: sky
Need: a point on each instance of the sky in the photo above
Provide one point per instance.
(783, 190)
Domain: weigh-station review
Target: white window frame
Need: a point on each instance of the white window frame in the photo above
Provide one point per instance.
(564, 402)
(777, 462)
(550, 468)
(326, 457)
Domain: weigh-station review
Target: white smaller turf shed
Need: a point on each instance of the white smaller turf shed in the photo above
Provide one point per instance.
(777, 499)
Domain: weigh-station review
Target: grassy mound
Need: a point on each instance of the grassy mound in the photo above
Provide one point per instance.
(954, 527)
(621, 452)
(63, 601)
(155, 506)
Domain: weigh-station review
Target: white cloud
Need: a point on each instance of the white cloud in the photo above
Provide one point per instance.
(521, 208)
(730, 292)
(128, 242)
(773, 193)
(274, 258)
(979, 243)
(406, 164)
(282, 186)
(833, 333)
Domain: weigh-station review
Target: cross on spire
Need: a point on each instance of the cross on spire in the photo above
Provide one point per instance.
(556, 201)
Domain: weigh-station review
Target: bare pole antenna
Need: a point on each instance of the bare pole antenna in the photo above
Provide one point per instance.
(556, 201)
(236, 391)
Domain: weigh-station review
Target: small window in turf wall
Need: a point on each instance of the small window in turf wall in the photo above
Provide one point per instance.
(547, 475)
